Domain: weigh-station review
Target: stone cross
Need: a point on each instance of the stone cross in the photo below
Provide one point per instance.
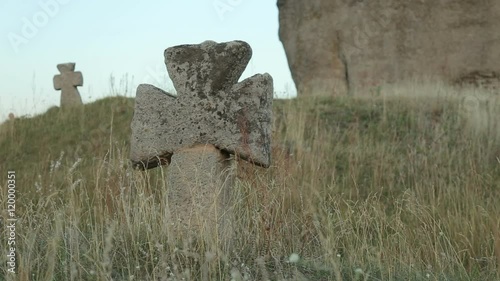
(195, 132)
(67, 82)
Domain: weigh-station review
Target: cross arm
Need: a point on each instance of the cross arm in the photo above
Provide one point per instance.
(151, 108)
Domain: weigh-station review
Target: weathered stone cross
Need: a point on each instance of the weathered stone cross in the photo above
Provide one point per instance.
(67, 82)
(211, 117)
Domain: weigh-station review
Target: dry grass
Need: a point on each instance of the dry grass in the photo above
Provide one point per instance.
(401, 184)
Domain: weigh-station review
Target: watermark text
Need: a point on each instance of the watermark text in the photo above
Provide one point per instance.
(11, 221)
(31, 25)
(224, 6)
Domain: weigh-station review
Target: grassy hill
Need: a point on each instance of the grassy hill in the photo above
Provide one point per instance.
(402, 184)
(87, 133)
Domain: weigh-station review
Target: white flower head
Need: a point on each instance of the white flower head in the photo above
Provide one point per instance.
(294, 258)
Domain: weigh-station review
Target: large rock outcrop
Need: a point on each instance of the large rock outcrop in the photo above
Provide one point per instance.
(342, 46)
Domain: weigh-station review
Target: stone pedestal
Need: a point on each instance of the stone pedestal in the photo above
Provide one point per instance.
(199, 193)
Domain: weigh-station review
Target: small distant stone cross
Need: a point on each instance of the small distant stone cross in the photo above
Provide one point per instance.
(212, 117)
(67, 82)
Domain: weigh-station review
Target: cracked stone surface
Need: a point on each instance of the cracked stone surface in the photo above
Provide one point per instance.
(338, 47)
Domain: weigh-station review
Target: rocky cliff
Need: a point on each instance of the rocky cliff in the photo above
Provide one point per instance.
(342, 46)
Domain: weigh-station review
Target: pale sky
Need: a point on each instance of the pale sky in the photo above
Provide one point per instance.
(122, 38)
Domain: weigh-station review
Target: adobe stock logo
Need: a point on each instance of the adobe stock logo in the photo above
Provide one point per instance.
(224, 6)
(157, 75)
(31, 25)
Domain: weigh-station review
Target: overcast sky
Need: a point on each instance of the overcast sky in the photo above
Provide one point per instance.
(123, 39)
